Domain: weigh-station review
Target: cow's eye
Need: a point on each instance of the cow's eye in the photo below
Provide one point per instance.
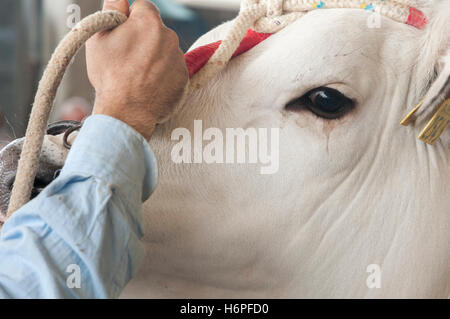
(325, 102)
(328, 103)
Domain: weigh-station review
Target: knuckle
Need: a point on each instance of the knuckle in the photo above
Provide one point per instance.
(172, 38)
(151, 6)
(157, 33)
(152, 28)
(148, 18)
(145, 10)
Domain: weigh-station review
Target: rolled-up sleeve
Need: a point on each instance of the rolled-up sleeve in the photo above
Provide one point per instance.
(81, 236)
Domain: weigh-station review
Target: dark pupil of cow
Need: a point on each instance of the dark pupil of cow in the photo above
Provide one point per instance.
(329, 101)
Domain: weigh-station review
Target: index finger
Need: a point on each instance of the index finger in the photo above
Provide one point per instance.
(119, 5)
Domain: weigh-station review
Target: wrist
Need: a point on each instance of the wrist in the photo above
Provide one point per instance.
(134, 116)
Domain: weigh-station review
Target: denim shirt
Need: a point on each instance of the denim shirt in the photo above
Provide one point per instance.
(80, 238)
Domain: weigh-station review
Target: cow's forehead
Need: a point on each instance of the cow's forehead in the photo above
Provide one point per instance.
(341, 29)
(330, 46)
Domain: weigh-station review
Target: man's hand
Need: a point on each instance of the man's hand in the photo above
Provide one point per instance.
(138, 70)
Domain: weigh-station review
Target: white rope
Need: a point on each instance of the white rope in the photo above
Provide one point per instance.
(267, 16)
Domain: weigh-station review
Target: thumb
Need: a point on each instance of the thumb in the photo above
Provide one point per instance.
(118, 5)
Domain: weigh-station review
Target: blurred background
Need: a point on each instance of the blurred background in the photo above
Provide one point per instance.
(31, 29)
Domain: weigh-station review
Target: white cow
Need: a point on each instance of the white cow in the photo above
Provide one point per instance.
(356, 196)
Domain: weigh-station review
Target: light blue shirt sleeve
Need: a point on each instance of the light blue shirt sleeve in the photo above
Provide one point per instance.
(80, 238)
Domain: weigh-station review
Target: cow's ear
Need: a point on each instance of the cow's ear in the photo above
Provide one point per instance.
(434, 59)
(439, 89)
(433, 75)
(437, 100)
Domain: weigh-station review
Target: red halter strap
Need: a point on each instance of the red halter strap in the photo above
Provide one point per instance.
(198, 57)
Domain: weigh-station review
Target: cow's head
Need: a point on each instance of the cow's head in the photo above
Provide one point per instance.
(353, 187)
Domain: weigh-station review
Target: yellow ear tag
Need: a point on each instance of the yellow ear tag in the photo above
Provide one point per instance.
(438, 124)
(410, 117)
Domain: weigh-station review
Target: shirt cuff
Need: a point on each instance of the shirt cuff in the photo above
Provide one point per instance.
(114, 152)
